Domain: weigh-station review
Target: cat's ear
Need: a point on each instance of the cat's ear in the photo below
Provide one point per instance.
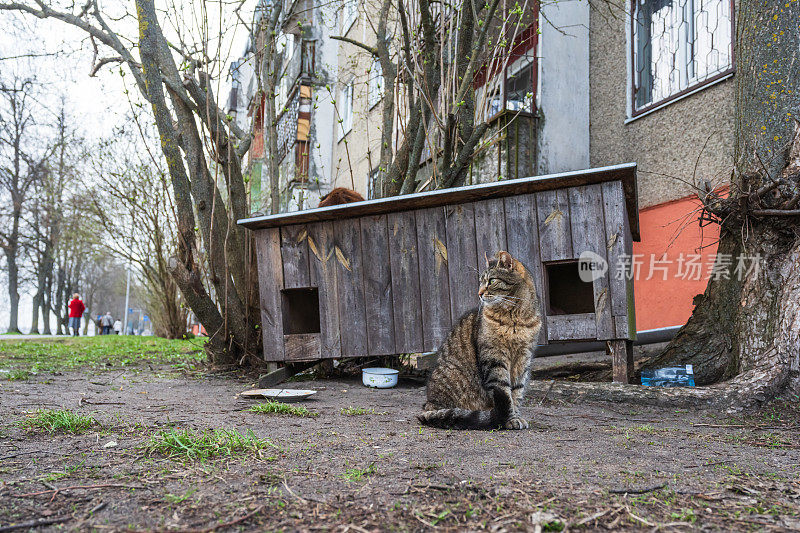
(504, 260)
(485, 256)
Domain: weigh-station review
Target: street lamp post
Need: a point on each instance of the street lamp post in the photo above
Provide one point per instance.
(127, 298)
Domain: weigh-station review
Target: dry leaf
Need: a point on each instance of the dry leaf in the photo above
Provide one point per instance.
(612, 241)
(601, 300)
(555, 214)
(303, 235)
(440, 247)
(342, 259)
(313, 246)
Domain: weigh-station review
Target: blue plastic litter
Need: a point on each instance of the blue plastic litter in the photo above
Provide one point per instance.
(673, 376)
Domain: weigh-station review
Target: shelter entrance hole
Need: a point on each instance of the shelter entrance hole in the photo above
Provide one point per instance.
(566, 293)
(300, 310)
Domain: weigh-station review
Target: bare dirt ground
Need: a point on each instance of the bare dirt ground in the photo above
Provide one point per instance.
(590, 467)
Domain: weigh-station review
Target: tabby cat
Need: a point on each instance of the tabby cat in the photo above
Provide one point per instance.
(484, 364)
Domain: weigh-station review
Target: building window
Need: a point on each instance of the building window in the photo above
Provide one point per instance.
(349, 15)
(301, 161)
(508, 83)
(345, 110)
(678, 46)
(375, 83)
(519, 84)
(308, 59)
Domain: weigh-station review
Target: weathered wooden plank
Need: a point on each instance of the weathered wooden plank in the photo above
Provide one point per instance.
(404, 261)
(462, 259)
(621, 352)
(490, 229)
(622, 329)
(274, 377)
(270, 283)
(322, 270)
(571, 327)
(302, 347)
(523, 244)
(434, 280)
(619, 247)
(377, 285)
(552, 210)
(294, 250)
(350, 285)
(588, 235)
(438, 198)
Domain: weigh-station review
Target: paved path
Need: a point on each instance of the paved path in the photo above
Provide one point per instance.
(30, 337)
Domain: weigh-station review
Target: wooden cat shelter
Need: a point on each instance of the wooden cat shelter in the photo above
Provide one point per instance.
(390, 276)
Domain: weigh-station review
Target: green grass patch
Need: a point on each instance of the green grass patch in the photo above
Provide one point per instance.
(60, 421)
(175, 498)
(279, 408)
(357, 411)
(98, 353)
(68, 471)
(17, 375)
(188, 444)
(357, 474)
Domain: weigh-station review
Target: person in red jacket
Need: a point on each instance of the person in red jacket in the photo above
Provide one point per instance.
(76, 309)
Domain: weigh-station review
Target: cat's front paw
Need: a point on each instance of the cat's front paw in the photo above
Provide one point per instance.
(516, 422)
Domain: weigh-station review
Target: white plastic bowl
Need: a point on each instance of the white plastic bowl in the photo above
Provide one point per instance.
(380, 378)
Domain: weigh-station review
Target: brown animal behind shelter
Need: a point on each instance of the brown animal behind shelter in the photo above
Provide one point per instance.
(340, 195)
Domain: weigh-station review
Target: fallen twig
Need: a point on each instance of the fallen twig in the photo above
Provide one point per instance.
(300, 498)
(290, 491)
(595, 516)
(73, 487)
(35, 523)
(82, 401)
(433, 486)
(641, 490)
(552, 382)
(639, 519)
(17, 455)
(226, 524)
(425, 522)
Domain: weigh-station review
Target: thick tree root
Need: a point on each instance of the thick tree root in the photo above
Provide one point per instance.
(748, 390)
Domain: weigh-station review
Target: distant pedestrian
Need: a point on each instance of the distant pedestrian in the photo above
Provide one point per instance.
(107, 322)
(76, 309)
(117, 327)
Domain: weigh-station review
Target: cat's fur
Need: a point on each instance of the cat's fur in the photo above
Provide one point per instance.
(340, 195)
(484, 364)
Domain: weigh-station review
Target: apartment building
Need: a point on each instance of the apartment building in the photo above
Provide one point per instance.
(662, 94)
(305, 109)
(649, 81)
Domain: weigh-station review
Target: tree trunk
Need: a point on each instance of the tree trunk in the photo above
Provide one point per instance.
(46, 301)
(13, 293)
(269, 75)
(37, 305)
(61, 302)
(743, 337)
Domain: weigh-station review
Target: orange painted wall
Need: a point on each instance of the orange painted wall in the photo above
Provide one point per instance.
(672, 229)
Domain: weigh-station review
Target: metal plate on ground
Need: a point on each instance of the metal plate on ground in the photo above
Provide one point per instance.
(284, 395)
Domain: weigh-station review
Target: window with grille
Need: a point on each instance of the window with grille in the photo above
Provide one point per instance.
(678, 46)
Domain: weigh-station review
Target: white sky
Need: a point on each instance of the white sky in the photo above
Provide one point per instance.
(98, 104)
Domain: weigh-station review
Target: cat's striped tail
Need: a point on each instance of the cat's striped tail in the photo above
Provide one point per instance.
(459, 419)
